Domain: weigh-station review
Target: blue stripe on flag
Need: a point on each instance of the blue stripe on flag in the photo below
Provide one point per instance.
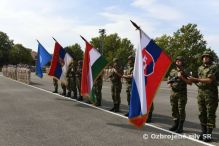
(135, 106)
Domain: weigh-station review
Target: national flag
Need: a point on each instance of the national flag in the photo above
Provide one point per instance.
(57, 61)
(151, 64)
(93, 65)
(67, 60)
(43, 57)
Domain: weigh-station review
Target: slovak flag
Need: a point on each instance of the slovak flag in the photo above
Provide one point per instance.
(151, 64)
(57, 61)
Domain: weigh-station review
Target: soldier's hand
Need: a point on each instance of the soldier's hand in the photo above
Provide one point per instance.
(193, 79)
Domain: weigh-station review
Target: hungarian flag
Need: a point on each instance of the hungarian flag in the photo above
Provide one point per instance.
(93, 65)
(151, 64)
(57, 61)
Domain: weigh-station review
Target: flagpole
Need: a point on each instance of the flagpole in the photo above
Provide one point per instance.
(54, 39)
(135, 25)
(38, 41)
(83, 38)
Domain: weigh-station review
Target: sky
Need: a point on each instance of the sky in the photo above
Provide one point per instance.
(25, 21)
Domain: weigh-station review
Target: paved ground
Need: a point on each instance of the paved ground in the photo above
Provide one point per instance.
(30, 116)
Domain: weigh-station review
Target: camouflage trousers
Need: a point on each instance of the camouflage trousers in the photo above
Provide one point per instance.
(78, 84)
(128, 92)
(55, 83)
(63, 88)
(207, 106)
(178, 102)
(72, 86)
(116, 90)
(97, 92)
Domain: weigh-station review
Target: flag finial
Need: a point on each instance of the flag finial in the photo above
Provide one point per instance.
(135, 25)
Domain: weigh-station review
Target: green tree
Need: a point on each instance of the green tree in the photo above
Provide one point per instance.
(114, 46)
(186, 41)
(5, 46)
(20, 54)
(75, 51)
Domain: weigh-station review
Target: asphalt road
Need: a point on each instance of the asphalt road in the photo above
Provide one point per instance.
(31, 116)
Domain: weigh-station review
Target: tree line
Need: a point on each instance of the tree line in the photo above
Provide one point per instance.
(187, 41)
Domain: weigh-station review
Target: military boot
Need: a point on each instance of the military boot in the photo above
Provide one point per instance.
(55, 91)
(113, 109)
(116, 110)
(209, 135)
(75, 96)
(149, 117)
(180, 127)
(69, 94)
(175, 125)
(80, 98)
(204, 131)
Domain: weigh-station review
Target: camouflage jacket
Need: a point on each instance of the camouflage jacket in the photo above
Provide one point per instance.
(130, 69)
(71, 70)
(179, 85)
(208, 71)
(114, 77)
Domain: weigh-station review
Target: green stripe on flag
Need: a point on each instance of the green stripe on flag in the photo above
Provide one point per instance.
(98, 66)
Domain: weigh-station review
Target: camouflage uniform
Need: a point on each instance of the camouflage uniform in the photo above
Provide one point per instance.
(55, 83)
(178, 97)
(97, 90)
(78, 78)
(130, 68)
(116, 86)
(71, 79)
(207, 97)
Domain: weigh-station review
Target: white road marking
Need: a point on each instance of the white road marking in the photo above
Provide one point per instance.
(90, 105)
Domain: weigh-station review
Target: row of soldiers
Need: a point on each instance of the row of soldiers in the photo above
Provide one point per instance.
(20, 72)
(206, 81)
(178, 79)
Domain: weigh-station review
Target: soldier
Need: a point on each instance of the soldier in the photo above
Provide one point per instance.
(128, 78)
(78, 79)
(97, 89)
(116, 86)
(207, 95)
(55, 83)
(71, 79)
(178, 82)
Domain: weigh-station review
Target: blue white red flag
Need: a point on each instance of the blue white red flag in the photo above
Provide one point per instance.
(151, 64)
(57, 61)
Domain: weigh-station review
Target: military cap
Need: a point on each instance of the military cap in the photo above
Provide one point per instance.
(180, 58)
(207, 53)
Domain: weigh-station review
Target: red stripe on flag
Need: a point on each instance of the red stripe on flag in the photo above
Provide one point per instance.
(153, 81)
(55, 59)
(85, 78)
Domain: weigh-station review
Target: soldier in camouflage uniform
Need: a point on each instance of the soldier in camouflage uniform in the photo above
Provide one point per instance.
(55, 83)
(71, 79)
(78, 79)
(97, 90)
(128, 78)
(207, 95)
(116, 86)
(178, 97)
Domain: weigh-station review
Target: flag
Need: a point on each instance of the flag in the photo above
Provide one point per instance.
(93, 65)
(57, 61)
(43, 57)
(151, 64)
(67, 60)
